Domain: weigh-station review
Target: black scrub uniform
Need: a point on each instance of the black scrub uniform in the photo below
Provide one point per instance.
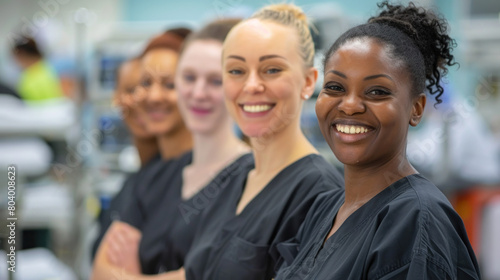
(122, 200)
(407, 231)
(230, 246)
(167, 221)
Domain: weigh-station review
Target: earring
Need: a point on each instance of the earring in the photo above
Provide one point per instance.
(306, 96)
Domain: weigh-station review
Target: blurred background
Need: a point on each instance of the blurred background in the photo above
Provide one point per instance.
(71, 151)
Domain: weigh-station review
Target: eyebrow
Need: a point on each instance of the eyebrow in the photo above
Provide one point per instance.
(236, 57)
(270, 56)
(338, 73)
(378, 76)
(365, 79)
(262, 58)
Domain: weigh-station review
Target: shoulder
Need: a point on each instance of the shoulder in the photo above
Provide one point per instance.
(419, 202)
(314, 171)
(243, 163)
(425, 227)
(421, 198)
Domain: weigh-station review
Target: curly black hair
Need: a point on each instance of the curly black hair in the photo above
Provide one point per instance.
(416, 36)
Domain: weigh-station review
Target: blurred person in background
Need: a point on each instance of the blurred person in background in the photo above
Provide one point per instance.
(128, 76)
(157, 107)
(32, 128)
(39, 82)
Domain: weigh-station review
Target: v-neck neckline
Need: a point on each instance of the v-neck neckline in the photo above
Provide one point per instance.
(266, 188)
(356, 219)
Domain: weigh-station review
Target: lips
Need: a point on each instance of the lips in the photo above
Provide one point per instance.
(349, 131)
(157, 114)
(256, 109)
(200, 111)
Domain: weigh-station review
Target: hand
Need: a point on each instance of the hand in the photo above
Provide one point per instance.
(123, 246)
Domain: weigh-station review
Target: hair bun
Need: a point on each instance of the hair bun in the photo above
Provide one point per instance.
(289, 9)
(294, 17)
(428, 31)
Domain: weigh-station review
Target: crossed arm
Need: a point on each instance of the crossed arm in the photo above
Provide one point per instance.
(118, 257)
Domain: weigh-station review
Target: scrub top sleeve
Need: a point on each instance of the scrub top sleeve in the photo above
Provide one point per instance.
(114, 211)
(428, 243)
(134, 213)
(419, 268)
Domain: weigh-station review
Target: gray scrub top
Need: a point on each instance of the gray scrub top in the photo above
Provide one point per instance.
(243, 247)
(407, 231)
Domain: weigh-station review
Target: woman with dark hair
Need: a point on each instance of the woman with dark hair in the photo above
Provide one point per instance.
(155, 107)
(391, 222)
(127, 79)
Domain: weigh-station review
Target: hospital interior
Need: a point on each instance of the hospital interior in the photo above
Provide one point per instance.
(72, 152)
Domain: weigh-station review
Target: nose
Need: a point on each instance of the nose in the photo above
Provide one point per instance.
(253, 84)
(154, 94)
(351, 104)
(199, 89)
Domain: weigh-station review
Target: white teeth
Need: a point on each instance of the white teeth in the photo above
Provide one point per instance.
(351, 129)
(256, 108)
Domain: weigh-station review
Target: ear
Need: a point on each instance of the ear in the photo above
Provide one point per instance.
(311, 76)
(417, 109)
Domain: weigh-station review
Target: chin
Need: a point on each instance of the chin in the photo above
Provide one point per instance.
(347, 157)
(257, 131)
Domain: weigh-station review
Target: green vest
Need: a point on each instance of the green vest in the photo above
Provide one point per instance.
(39, 82)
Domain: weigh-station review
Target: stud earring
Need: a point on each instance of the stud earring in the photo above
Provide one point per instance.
(306, 96)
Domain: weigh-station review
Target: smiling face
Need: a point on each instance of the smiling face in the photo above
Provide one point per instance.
(158, 100)
(199, 86)
(129, 75)
(366, 105)
(264, 77)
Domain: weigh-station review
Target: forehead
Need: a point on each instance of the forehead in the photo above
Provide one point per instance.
(365, 54)
(202, 50)
(130, 66)
(259, 37)
(159, 59)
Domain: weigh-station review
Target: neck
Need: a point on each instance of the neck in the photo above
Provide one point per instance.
(146, 147)
(217, 146)
(274, 152)
(175, 144)
(29, 61)
(363, 183)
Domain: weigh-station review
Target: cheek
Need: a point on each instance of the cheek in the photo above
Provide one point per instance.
(231, 89)
(324, 105)
(171, 96)
(182, 96)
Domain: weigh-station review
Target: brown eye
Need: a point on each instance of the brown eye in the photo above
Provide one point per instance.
(169, 85)
(333, 88)
(379, 92)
